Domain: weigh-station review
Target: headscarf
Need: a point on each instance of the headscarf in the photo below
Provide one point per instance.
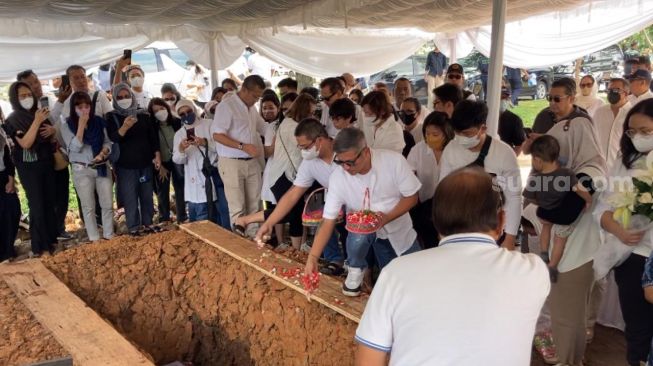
(121, 111)
(94, 132)
(207, 108)
(587, 102)
(21, 119)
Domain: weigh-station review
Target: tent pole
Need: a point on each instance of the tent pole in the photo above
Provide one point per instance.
(213, 58)
(496, 65)
(453, 57)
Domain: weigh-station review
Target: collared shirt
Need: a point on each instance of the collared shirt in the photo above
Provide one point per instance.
(634, 100)
(436, 63)
(332, 131)
(610, 128)
(500, 161)
(422, 160)
(314, 170)
(61, 111)
(241, 123)
(78, 151)
(388, 136)
(193, 160)
(473, 313)
(389, 180)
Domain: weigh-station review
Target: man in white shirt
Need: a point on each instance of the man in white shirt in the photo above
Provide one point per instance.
(331, 89)
(640, 82)
(387, 179)
(79, 82)
(609, 119)
(136, 79)
(463, 302)
(259, 65)
(238, 127)
(470, 147)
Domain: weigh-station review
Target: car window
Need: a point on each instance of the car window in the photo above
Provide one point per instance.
(177, 56)
(146, 58)
(404, 68)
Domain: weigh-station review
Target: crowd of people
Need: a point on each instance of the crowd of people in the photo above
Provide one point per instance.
(441, 186)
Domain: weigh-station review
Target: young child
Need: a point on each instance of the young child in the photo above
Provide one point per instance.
(559, 196)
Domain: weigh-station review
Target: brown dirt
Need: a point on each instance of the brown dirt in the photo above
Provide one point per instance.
(23, 340)
(180, 299)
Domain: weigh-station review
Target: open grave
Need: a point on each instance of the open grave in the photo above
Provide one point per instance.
(200, 294)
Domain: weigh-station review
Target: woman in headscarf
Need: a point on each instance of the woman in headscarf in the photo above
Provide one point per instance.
(34, 159)
(167, 125)
(88, 148)
(9, 204)
(587, 95)
(131, 130)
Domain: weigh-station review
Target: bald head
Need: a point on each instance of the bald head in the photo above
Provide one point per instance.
(350, 81)
(467, 202)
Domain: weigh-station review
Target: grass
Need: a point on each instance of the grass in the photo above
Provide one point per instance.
(527, 110)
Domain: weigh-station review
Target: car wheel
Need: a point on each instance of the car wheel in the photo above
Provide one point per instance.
(540, 90)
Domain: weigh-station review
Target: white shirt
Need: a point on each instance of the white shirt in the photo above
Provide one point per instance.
(422, 160)
(458, 304)
(142, 99)
(589, 103)
(62, 111)
(417, 131)
(314, 170)
(389, 180)
(502, 162)
(260, 65)
(332, 131)
(287, 155)
(388, 136)
(266, 192)
(610, 129)
(241, 123)
(193, 160)
(634, 100)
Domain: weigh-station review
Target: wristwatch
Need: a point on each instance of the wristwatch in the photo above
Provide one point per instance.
(240, 146)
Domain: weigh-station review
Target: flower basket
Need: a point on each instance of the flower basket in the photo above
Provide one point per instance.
(364, 221)
(314, 208)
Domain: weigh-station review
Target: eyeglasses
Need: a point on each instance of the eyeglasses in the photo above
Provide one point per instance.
(586, 85)
(324, 98)
(349, 163)
(632, 132)
(454, 76)
(306, 147)
(555, 98)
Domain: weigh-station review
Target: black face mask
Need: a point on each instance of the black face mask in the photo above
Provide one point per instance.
(407, 119)
(614, 97)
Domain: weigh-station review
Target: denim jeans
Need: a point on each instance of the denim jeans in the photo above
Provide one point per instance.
(359, 244)
(136, 190)
(223, 207)
(199, 211)
(332, 252)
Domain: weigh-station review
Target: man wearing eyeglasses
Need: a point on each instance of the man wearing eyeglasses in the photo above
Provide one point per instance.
(331, 89)
(392, 188)
(456, 76)
(609, 119)
(640, 82)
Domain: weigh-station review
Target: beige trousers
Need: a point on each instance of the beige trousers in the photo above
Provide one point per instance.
(433, 82)
(242, 185)
(570, 304)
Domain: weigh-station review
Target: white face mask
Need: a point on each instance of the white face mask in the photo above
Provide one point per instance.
(171, 103)
(124, 103)
(137, 82)
(467, 142)
(643, 143)
(504, 105)
(310, 154)
(371, 120)
(27, 103)
(161, 115)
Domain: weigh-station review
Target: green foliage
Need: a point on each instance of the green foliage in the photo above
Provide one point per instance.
(644, 39)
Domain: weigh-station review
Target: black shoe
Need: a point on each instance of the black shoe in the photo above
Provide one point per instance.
(64, 236)
(135, 233)
(351, 292)
(332, 269)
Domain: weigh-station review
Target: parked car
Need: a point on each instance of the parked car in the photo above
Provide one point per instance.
(411, 68)
(605, 65)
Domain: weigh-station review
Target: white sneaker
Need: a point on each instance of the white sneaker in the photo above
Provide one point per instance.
(305, 247)
(352, 285)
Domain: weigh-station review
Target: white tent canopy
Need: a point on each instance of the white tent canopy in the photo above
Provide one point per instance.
(322, 37)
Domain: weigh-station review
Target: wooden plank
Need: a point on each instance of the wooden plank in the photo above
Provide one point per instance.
(89, 338)
(273, 265)
(58, 362)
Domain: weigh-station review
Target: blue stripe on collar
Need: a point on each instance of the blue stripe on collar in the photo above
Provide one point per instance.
(469, 240)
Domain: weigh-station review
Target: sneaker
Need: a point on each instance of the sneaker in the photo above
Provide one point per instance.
(65, 236)
(305, 247)
(352, 285)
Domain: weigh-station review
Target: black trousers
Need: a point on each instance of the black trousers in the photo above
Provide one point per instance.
(294, 217)
(61, 184)
(9, 218)
(162, 188)
(37, 179)
(422, 216)
(637, 312)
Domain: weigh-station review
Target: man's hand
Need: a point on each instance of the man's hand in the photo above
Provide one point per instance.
(263, 234)
(64, 94)
(47, 131)
(10, 187)
(251, 150)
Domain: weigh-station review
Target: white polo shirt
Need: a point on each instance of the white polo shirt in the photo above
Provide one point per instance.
(241, 123)
(500, 161)
(422, 160)
(389, 136)
(389, 180)
(610, 128)
(634, 100)
(314, 170)
(458, 304)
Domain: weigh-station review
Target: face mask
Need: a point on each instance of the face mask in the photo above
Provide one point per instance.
(643, 143)
(189, 119)
(435, 142)
(371, 120)
(124, 103)
(27, 103)
(82, 111)
(171, 103)
(614, 97)
(504, 105)
(310, 154)
(467, 142)
(408, 118)
(161, 115)
(137, 82)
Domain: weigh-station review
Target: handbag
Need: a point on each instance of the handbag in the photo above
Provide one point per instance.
(60, 159)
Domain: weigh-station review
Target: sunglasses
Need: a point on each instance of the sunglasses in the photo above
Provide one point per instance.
(615, 91)
(586, 85)
(555, 98)
(454, 76)
(349, 163)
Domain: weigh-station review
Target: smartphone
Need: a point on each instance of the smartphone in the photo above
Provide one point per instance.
(45, 102)
(190, 133)
(127, 55)
(65, 82)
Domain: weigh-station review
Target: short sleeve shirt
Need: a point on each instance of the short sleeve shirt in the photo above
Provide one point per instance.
(314, 170)
(548, 190)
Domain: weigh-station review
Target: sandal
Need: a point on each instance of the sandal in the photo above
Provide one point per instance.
(239, 230)
(332, 269)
